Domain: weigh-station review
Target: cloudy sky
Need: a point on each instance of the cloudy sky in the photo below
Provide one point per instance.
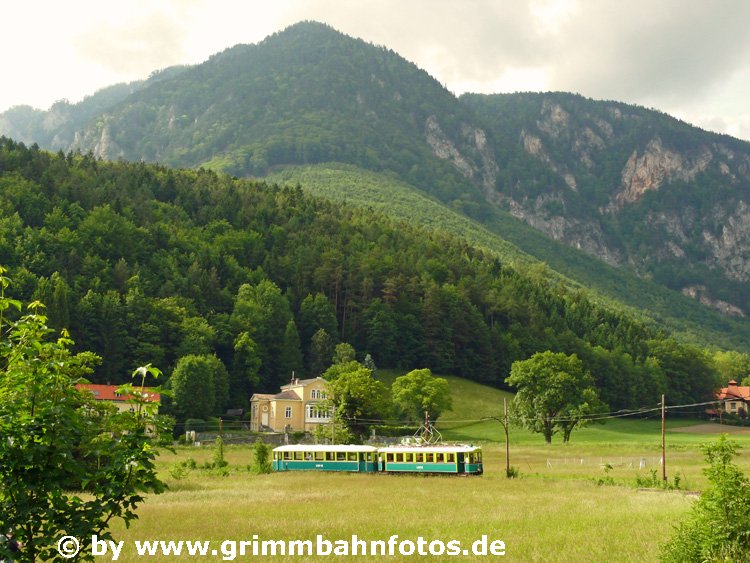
(688, 58)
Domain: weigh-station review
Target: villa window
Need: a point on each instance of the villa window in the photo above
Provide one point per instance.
(288, 412)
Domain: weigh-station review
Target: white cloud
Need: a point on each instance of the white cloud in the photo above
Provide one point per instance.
(690, 58)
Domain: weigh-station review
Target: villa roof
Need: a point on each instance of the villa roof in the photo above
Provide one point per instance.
(734, 392)
(109, 393)
(302, 382)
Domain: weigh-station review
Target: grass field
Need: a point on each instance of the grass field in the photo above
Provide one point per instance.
(575, 502)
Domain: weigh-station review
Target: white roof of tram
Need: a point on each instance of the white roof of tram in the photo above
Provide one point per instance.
(394, 449)
(322, 448)
(430, 449)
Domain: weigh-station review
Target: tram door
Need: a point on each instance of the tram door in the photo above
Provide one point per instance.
(461, 464)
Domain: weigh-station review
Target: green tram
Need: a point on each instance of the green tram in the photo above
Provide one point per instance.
(359, 459)
(437, 459)
(444, 459)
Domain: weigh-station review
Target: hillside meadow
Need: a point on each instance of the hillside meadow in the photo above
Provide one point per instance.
(579, 502)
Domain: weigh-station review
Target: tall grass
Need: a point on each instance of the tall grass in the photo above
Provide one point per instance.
(542, 516)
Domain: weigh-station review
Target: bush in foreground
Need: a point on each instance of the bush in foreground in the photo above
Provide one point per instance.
(68, 465)
(718, 527)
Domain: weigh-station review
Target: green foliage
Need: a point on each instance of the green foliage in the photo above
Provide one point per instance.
(291, 353)
(200, 385)
(732, 365)
(718, 526)
(651, 481)
(357, 398)
(68, 466)
(195, 424)
(688, 371)
(369, 363)
(321, 352)
(218, 455)
(344, 353)
(418, 392)
(311, 95)
(261, 458)
(554, 393)
(228, 268)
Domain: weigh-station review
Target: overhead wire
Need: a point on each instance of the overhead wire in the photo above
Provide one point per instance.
(648, 411)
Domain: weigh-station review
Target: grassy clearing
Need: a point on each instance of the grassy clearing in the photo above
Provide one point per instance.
(575, 502)
(555, 511)
(557, 519)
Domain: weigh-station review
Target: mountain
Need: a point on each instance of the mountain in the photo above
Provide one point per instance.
(147, 264)
(57, 127)
(632, 187)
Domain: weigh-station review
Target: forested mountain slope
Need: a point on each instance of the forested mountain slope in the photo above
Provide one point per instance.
(148, 264)
(632, 187)
(517, 243)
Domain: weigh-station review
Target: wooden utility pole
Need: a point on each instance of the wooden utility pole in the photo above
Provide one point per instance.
(507, 441)
(504, 422)
(663, 448)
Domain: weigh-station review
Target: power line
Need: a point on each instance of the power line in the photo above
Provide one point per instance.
(623, 413)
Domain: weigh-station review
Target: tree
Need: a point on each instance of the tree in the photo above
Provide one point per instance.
(732, 365)
(58, 443)
(263, 312)
(316, 313)
(553, 393)
(260, 463)
(369, 363)
(418, 392)
(200, 385)
(321, 352)
(719, 522)
(290, 360)
(357, 398)
(690, 377)
(344, 353)
(246, 363)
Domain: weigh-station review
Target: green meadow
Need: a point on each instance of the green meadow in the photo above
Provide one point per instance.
(577, 502)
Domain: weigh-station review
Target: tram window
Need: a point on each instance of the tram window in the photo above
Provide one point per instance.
(368, 456)
(340, 456)
(287, 455)
(439, 458)
(450, 458)
(389, 457)
(430, 458)
(330, 456)
(298, 456)
(352, 456)
(275, 455)
(320, 456)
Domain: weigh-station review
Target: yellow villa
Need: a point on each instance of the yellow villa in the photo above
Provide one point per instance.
(297, 407)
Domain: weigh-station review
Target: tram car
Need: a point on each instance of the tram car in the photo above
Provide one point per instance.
(358, 459)
(439, 459)
(432, 459)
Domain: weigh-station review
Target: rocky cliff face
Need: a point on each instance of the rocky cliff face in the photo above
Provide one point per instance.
(632, 187)
(655, 166)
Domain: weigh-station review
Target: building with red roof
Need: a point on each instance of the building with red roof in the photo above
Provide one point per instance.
(110, 394)
(733, 399)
